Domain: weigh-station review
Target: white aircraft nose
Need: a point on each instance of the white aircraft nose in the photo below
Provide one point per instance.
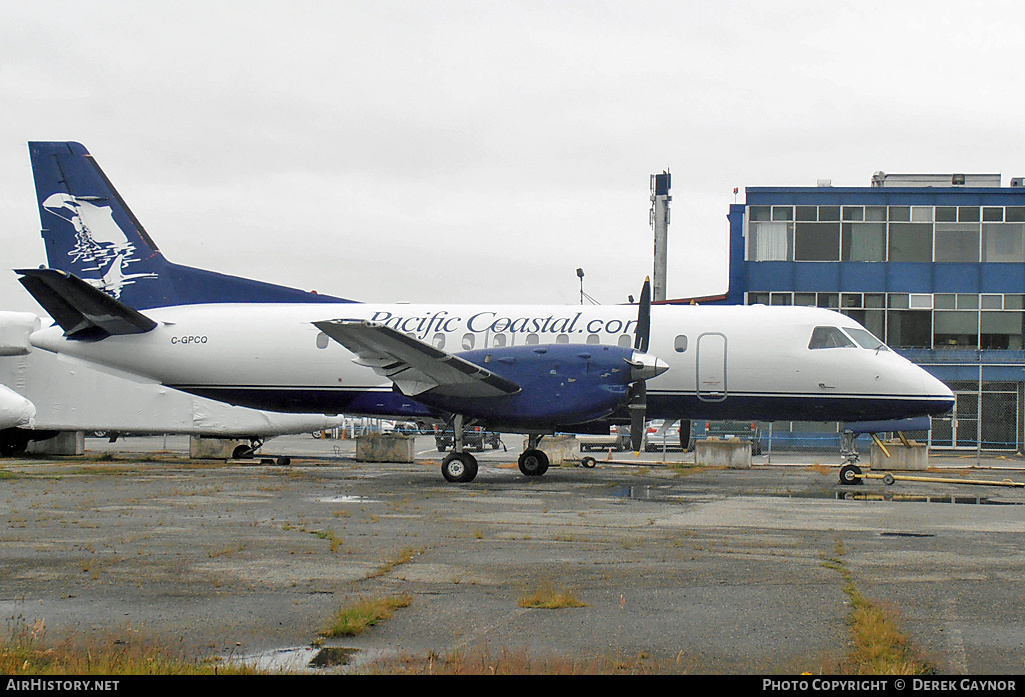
(935, 388)
(644, 366)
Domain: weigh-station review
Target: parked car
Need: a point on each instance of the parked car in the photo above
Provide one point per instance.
(474, 438)
(662, 436)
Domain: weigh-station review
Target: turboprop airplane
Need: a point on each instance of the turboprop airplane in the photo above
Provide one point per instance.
(535, 370)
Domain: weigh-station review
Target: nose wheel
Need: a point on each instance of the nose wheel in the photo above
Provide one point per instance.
(850, 475)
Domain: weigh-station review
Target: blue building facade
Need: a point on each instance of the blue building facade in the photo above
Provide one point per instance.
(936, 271)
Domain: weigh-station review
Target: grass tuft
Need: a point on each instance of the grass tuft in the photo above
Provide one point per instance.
(549, 598)
(354, 619)
(28, 650)
(879, 645)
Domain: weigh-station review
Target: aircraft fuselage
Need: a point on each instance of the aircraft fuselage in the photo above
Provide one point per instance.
(736, 362)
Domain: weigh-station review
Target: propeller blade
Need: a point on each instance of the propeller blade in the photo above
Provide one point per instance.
(637, 406)
(643, 330)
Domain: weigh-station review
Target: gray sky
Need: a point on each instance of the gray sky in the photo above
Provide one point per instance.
(482, 151)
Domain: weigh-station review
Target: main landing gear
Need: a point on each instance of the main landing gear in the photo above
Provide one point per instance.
(458, 466)
(461, 467)
(533, 462)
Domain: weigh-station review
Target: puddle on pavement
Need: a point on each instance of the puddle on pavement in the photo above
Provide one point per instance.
(916, 498)
(299, 659)
(647, 492)
(643, 492)
(347, 499)
(332, 657)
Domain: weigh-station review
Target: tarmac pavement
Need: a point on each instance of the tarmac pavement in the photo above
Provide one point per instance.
(723, 570)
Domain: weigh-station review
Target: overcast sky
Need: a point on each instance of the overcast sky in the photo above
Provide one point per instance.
(482, 151)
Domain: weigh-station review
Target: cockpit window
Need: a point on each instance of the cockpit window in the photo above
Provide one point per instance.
(866, 338)
(829, 337)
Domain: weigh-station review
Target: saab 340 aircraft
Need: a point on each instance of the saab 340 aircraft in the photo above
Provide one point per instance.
(537, 370)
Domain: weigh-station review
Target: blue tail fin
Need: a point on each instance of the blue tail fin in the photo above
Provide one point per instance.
(90, 232)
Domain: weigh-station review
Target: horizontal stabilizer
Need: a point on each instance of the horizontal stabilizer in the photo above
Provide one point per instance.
(412, 365)
(82, 311)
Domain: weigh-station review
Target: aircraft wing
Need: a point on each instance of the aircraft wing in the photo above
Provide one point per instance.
(412, 365)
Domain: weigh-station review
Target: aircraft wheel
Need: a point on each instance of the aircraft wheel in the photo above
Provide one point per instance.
(888, 479)
(588, 462)
(533, 462)
(459, 467)
(241, 452)
(849, 475)
(284, 461)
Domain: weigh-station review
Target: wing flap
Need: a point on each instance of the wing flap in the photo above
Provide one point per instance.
(414, 366)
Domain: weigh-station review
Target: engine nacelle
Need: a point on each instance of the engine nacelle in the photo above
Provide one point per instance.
(560, 383)
(15, 410)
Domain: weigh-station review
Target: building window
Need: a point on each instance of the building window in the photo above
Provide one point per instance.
(829, 300)
(909, 328)
(1002, 330)
(900, 214)
(1003, 242)
(967, 214)
(958, 242)
(772, 241)
(910, 241)
(956, 329)
(863, 242)
(817, 242)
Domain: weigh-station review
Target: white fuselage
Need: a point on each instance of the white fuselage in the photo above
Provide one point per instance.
(748, 362)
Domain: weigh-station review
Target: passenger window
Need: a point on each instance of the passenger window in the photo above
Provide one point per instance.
(322, 340)
(593, 339)
(626, 341)
(468, 341)
(532, 339)
(499, 340)
(680, 344)
(439, 341)
(829, 337)
(562, 339)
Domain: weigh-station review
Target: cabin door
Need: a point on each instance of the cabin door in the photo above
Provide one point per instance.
(711, 367)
